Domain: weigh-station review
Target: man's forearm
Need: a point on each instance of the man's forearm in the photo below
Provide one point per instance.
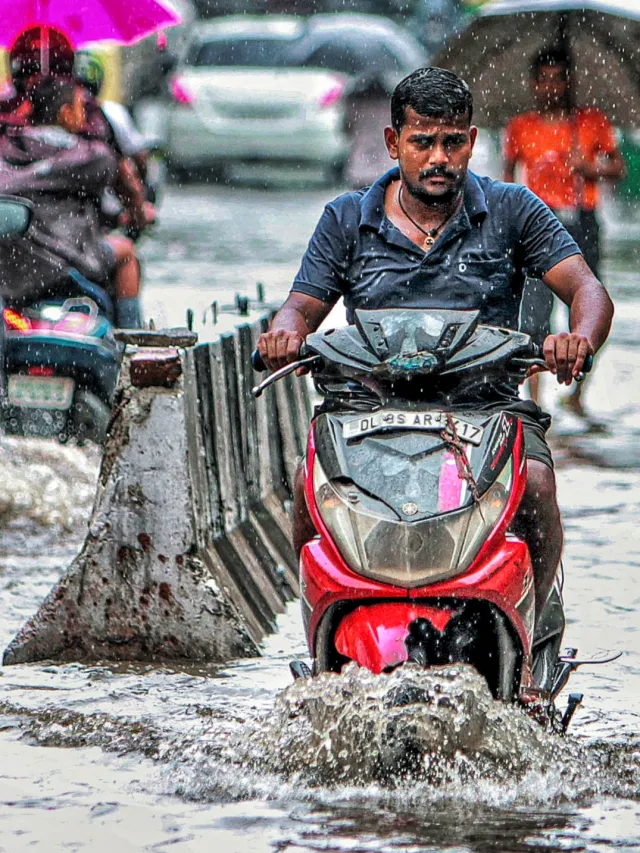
(612, 168)
(130, 190)
(292, 319)
(591, 313)
(300, 313)
(299, 316)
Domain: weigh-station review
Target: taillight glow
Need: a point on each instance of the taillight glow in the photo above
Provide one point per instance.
(181, 92)
(41, 370)
(14, 320)
(331, 96)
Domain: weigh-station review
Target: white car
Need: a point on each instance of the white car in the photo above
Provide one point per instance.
(270, 88)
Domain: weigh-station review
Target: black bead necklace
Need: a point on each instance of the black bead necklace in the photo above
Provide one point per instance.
(432, 233)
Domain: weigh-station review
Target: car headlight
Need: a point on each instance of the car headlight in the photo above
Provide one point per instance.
(376, 544)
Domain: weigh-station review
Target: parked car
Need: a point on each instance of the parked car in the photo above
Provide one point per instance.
(272, 88)
(436, 21)
(355, 44)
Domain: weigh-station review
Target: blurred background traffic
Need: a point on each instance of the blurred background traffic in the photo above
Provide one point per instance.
(246, 90)
(291, 96)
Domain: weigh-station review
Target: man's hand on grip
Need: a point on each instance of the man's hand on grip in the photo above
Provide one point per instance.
(565, 355)
(279, 347)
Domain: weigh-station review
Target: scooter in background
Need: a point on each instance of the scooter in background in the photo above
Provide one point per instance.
(59, 360)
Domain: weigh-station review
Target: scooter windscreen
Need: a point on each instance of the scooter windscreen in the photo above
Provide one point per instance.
(410, 497)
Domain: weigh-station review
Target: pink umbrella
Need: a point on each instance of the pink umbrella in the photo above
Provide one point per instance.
(85, 21)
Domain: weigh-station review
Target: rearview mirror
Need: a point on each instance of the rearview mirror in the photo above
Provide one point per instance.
(15, 217)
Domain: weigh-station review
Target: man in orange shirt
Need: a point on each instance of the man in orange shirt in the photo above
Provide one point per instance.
(563, 152)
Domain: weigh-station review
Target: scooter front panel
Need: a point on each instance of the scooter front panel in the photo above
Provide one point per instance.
(405, 507)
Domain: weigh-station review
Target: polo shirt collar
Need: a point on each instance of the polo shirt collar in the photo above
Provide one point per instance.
(475, 201)
(372, 204)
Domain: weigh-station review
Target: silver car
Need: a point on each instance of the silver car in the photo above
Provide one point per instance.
(271, 88)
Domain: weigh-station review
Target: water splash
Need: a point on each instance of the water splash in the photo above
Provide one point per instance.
(45, 483)
(438, 730)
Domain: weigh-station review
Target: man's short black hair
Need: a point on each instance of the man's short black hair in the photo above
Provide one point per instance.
(549, 56)
(48, 95)
(431, 92)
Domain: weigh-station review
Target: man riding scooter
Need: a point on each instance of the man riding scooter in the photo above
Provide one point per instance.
(431, 234)
(63, 175)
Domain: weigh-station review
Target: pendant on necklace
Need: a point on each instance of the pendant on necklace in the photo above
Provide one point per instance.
(428, 242)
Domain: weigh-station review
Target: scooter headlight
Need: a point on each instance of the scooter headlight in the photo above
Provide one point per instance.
(375, 544)
(337, 515)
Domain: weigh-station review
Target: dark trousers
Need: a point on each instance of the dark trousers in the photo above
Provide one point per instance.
(537, 298)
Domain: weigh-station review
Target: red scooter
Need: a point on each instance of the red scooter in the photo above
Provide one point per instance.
(413, 489)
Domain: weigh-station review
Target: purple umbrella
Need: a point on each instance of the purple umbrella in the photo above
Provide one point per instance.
(85, 21)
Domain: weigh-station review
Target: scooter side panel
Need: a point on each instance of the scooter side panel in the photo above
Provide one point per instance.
(505, 581)
(88, 360)
(325, 581)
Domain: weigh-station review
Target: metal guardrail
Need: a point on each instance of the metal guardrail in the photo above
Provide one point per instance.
(188, 552)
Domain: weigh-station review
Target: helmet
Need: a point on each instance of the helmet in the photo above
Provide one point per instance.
(88, 71)
(24, 55)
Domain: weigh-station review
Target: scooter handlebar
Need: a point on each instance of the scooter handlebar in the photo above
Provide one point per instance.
(586, 368)
(259, 366)
(537, 358)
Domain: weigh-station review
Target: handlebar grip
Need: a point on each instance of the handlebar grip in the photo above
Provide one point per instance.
(256, 361)
(258, 364)
(586, 368)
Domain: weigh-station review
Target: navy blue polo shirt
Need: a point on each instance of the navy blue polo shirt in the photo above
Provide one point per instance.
(502, 233)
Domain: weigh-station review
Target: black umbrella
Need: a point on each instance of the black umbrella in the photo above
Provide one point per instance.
(601, 38)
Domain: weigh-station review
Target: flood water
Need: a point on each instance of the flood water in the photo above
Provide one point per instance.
(140, 758)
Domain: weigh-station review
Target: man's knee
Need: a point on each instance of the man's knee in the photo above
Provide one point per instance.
(123, 248)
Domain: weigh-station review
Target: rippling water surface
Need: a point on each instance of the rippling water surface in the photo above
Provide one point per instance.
(134, 757)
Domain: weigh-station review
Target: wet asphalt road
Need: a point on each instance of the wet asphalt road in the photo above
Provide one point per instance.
(159, 757)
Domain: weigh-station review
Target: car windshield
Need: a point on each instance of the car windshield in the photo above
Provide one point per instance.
(351, 57)
(245, 51)
(351, 53)
(355, 51)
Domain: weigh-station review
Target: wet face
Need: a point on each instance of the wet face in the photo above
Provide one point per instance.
(551, 87)
(72, 116)
(433, 154)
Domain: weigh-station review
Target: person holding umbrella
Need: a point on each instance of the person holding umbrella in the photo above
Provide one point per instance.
(563, 151)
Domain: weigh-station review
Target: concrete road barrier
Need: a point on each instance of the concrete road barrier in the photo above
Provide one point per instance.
(188, 553)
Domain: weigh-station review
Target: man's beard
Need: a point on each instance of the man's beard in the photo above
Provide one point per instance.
(419, 192)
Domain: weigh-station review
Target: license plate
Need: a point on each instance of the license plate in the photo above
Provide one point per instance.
(426, 421)
(41, 392)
